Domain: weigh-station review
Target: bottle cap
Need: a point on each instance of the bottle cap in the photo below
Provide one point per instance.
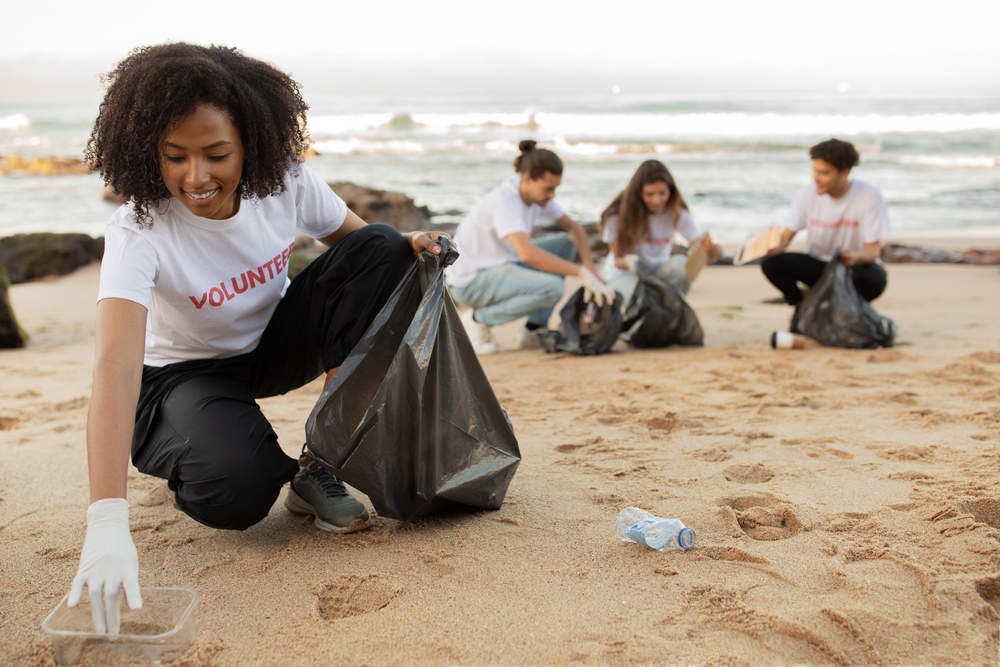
(685, 538)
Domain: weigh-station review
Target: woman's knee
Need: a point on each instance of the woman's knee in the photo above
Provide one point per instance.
(235, 498)
(386, 242)
(870, 281)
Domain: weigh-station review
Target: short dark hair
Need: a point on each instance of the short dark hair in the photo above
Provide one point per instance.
(536, 162)
(841, 154)
(155, 87)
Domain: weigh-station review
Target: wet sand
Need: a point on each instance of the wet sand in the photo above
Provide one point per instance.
(845, 502)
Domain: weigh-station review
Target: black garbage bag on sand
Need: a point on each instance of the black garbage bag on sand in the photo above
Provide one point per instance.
(586, 328)
(410, 418)
(657, 315)
(833, 313)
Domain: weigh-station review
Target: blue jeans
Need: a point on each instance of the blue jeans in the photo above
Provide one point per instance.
(504, 293)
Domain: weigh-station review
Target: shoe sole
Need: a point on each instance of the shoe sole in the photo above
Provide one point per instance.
(294, 504)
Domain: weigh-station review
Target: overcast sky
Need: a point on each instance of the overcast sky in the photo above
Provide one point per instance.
(875, 43)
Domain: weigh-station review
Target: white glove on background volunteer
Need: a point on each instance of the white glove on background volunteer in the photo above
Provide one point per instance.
(632, 263)
(108, 562)
(594, 289)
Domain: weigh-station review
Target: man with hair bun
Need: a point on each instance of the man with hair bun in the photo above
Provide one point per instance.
(840, 214)
(501, 274)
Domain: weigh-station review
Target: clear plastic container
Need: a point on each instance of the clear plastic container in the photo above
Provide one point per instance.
(159, 632)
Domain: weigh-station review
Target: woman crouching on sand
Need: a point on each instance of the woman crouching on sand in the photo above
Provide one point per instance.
(196, 316)
(638, 226)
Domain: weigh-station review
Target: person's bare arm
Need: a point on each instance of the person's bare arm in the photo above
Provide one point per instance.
(786, 237)
(867, 256)
(121, 338)
(580, 240)
(540, 259)
(619, 256)
(420, 241)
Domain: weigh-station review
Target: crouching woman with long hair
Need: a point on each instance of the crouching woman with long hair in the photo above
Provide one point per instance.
(639, 225)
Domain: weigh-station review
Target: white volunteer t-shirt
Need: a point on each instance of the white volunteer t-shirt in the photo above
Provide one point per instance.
(848, 222)
(481, 237)
(654, 249)
(210, 286)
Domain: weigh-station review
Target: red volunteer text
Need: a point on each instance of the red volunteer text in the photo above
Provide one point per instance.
(269, 270)
(822, 224)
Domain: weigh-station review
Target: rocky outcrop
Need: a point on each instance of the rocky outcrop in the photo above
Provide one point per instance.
(894, 253)
(11, 335)
(111, 196)
(391, 208)
(42, 166)
(31, 256)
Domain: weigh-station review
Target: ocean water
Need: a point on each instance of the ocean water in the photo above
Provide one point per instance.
(737, 159)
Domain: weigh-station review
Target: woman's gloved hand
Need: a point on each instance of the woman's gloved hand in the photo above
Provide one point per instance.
(594, 289)
(108, 562)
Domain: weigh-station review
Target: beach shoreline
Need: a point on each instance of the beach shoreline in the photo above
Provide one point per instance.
(845, 502)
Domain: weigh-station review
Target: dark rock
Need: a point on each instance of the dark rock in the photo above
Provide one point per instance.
(30, 256)
(391, 208)
(894, 253)
(111, 196)
(11, 335)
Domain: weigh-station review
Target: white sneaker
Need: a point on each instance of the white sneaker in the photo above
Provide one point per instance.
(479, 334)
(529, 339)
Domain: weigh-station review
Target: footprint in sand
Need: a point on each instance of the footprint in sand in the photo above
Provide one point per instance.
(764, 517)
(353, 594)
(989, 591)
(712, 454)
(438, 563)
(986, 357)
(984, 510)
(754, 473)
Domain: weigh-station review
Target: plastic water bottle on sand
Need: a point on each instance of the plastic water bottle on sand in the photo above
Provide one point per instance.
(635, 525)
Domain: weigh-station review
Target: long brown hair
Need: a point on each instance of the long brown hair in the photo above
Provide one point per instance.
(633, 218)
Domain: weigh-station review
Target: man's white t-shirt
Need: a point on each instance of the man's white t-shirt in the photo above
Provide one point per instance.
(210, 286)
(847, 222)
(481, 237)
(654, 249)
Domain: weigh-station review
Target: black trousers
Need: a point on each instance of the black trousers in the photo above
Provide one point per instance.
(786, 269)
(197, 423)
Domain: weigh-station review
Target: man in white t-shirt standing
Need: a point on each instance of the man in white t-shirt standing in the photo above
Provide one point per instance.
(840, 214)
(501, 274)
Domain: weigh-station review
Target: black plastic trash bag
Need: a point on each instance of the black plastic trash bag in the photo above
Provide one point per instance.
(410, 418)
(657, 315)
(586, 328)
(833, 313)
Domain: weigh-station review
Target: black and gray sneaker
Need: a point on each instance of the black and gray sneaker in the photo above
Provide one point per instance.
(316, 491)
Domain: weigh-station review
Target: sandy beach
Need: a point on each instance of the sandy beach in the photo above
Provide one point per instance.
(846, 503)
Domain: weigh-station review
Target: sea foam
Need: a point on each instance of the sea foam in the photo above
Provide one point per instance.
(626, 126)
(13, 122)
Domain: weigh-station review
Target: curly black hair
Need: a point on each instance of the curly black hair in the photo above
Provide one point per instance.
(841, 154)
(155, 87)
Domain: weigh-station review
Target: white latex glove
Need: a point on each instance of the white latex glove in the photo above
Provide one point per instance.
(108, 562)
(632, 263)
(594, 289)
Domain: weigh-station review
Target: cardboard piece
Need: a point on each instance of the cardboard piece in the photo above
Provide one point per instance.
(698, 256)
(758, 245)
